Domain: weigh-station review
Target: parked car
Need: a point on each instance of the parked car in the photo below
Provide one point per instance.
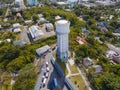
(47, 74)
(46, 64)
(48, 69)
(43, 77)
(44, 82)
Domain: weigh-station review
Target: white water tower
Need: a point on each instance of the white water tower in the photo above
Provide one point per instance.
(62, 30)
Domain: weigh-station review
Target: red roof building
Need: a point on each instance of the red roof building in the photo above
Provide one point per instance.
(80, 40)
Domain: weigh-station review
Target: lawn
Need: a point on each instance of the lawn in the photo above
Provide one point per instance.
(78, 82)
(18, 37)
(63, 67)
(5, 76)
(73, 68)
(117, 44)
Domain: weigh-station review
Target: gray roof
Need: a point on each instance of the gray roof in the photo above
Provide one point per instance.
(19, 43)
(49, 26)
(98, 68)
(43, 49)
(35, 31)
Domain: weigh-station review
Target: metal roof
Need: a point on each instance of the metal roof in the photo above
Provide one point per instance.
(35, 31)
(43, 49)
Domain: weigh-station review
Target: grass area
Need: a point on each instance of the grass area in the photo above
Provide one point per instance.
(5, 77)
(79, 83)
(39, 64)
(117, 44)
(63, 66)
(18, 37)
(73, 68)
(54, 55)
(22, 28)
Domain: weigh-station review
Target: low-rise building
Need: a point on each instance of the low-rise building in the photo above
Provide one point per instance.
(87, 62)
(19, 43)
(49, 26)
(16, 25)
(35, 31)
(58, 17)
(16, 30)
(42, 50)
(98, 69)
(42, 20)
(8, 40)
(118, 20)
(28, 21)
(116, 59)
(80, 40)
(40, 15)
(110, 54)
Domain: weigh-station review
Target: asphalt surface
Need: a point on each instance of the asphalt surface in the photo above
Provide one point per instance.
(24, 35)
(52, 74)
(42, 70)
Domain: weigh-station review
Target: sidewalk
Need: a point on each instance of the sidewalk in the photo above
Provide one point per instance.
(80, 73)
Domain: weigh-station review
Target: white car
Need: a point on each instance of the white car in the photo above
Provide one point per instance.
(47, 74)
(48, 69)
(46, 63)
(44, 81)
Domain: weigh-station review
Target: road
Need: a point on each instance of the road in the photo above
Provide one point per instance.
(39, 81)
(24, 34)
(52, 74)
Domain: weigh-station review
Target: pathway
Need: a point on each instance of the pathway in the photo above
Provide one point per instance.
(83, 77)
(80, 73)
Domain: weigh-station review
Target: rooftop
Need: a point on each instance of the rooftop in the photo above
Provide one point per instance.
(41, 50)
(19, 42)
(81, 40)
(35, 31)
(62, 22)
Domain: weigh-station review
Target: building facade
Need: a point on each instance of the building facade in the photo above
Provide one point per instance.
(62, 30)
(32, 2)
(20, 3)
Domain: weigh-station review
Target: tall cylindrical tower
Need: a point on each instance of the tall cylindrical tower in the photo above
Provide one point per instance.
(62, 30)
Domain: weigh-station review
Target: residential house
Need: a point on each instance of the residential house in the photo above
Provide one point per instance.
(80, 40)
(16, 30)
(19, 42)
(98, 69)
(28, 22)
(87, 62)
(49, 26)
(16, 25)
(58, 17)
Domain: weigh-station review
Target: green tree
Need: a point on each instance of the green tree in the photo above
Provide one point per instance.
(110, 82)
(82, 51)
(35, 18)
(26, 79)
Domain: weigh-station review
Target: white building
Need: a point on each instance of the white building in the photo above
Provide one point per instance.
(17, 30)
(35, 31)
(62, 30)
(16, 25)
